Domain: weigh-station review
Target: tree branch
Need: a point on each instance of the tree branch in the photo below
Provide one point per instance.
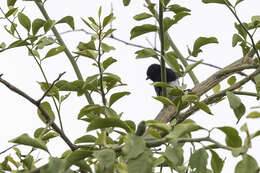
(44, 113)
(2, 152)
(215, 97)
(166, 114)
(50, 87)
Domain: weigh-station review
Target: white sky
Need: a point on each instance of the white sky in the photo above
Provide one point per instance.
(19, 116)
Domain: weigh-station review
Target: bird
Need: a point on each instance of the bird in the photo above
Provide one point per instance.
(154, 73)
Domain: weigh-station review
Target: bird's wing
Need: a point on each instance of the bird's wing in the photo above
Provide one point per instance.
(158, 91)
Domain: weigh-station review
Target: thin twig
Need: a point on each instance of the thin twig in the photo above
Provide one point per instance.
(44, 113)
(9, 148)
(50, 87)
(242, 25)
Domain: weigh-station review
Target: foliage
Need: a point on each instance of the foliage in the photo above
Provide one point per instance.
(119, 145)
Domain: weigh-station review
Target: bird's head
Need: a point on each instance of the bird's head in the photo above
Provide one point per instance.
(154, 73)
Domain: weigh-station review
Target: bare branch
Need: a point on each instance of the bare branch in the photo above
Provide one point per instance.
(44, 113)
(50, 87)
(2, 152)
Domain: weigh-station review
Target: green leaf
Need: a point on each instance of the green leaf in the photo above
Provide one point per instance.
(48, 25)
(179, 16)
(54, 91)
(108, 62)
(232, 80)
(257, 85)
(86, 139)
(232, 137)
(236, 104)
(10, 12)
(183, 128)
(216, 88)
(238, 1)
(54, 51)
(142, 16)
(167, 23)
(143, 29)
(116, 96)
(106, 160)
(174, 156)
(255, 19)
(198, 160)
(87, 53)
(107, 48)
(76, 156)
(134, 146)
(216, 162)
(100, 123)
(68, 20)
(177, 8)
(37, 24)
(217, 1)
(164, 100)
(91, 108)
(241, 30)
(142, 163)
(248, 164)
(90, 45)
(192, 66)
(108, 32)
(145, 53)
(203, 106)
(47, 107)
(235, 39)
(160, 126)
(11, 2)
(69, 86)
(18, 43)
(254, 114)
(190, 98)
(108, 19)
(25, 139)
(171, 59)
(202, 41)
(140, 128)
(126, 2)
(49, 135)
(24, 21)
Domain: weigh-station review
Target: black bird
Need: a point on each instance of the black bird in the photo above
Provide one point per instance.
(154, 74)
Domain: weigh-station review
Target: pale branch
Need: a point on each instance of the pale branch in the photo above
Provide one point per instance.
(166, 114)
(44, 113)
(9, 148)
(216, 97)
(50, 87)
(67, 51)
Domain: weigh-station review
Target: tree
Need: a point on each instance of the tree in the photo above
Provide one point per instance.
(111, 143)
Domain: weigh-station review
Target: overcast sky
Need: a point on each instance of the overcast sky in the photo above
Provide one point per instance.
(19, 116)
